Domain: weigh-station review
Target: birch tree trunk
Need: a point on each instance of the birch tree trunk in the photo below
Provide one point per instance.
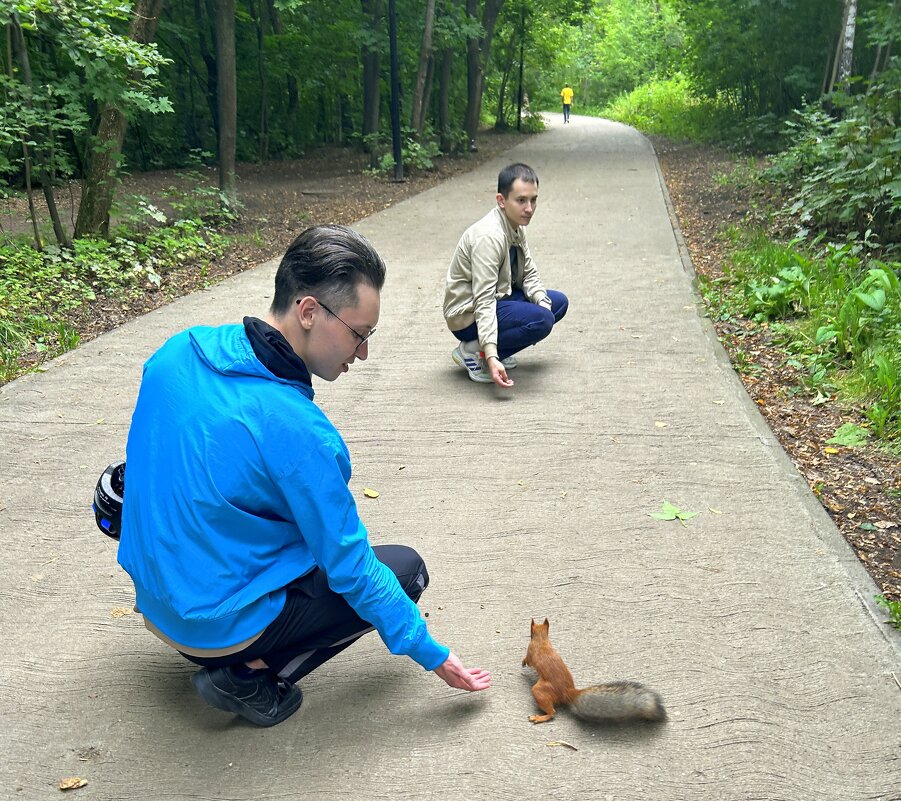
(847, 55)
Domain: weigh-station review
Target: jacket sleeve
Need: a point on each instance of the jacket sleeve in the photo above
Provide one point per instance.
(326, 514)
(531, 282)
(488, 253)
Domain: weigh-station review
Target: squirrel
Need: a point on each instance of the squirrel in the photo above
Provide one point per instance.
(616, 702)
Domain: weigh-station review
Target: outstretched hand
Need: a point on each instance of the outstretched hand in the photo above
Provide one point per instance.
(452, 673)
(499, 373)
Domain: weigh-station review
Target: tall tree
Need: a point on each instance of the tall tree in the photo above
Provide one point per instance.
(845, 54)
(417, 121)
(101, 176)
(226, 83)
(371, 46)
(478, 48)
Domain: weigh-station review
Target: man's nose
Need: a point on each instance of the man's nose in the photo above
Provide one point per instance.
(362, 351)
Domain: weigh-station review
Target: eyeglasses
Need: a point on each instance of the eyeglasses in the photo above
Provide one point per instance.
(356, 333)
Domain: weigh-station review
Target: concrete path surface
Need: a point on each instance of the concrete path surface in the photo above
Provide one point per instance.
(754, 620)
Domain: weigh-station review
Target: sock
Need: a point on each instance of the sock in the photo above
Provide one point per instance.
(244, 672)
(472, 347)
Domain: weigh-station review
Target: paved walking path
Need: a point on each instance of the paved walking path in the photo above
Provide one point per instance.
(754, 621)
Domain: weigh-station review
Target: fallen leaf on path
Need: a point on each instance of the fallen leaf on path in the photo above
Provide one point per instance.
(715, 511)
(670, 512)
(370, 493)
(72, 783)
(120, 611)
(830, 450)
(660, 424)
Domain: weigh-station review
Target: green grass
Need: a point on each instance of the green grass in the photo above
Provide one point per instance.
(668, 107)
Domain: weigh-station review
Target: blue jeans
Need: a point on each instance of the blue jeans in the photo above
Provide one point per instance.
(520, 323)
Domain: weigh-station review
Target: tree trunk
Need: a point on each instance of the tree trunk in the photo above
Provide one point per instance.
(427, 93)
(447, 61)
(396, 144)
(226, 82)
(372, 11)
(417, 116)
(259, 19)
(844, 69)
(477, 51)
(275, 19)
(205, 22)
(26, 156)
(21, 51)
(101, 176)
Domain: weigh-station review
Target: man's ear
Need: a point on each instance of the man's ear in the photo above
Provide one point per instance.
(305, 309)
(500, 199)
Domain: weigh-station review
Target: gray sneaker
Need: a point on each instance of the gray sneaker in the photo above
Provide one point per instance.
(262, 699)
(474, 364)
(510, 362)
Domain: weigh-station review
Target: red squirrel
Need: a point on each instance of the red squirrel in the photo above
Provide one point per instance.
(618, 701)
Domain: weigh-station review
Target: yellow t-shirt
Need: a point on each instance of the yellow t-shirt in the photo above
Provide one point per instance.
(567, 95)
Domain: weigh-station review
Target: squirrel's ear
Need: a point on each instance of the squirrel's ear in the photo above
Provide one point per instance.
(546, 624)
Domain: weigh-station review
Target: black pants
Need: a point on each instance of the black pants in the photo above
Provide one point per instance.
(316, 623)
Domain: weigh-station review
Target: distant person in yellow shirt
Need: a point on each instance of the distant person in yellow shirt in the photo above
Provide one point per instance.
(567, 95)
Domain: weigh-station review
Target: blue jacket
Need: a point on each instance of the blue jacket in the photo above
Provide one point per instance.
(236, 485)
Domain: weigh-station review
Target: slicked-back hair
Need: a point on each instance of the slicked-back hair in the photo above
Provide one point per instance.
(508, 175)
(328, 262)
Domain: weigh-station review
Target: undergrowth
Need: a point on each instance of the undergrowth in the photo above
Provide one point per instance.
(835, 312)
(669, 107)
(40, 289)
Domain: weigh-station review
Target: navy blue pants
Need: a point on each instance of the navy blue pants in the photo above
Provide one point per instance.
(316, 623)
(520, 322)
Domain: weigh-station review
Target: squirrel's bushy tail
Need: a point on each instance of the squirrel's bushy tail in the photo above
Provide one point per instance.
(619, 701)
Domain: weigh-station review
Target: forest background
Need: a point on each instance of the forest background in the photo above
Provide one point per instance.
(804, 95)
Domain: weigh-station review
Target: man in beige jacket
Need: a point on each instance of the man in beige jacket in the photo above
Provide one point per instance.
(494, 301)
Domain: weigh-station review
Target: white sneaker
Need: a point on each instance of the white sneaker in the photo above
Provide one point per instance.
(474, 364)
(510, 362)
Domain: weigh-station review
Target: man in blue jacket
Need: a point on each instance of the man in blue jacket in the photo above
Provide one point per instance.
(239, 529)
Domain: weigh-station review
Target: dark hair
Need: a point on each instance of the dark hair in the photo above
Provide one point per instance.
(327, 262)
(508, 175)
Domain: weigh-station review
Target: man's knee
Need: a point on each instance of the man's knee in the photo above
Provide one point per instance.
(409, 567)
(559, 304)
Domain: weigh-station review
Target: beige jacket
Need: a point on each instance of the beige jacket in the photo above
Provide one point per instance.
(479, 275)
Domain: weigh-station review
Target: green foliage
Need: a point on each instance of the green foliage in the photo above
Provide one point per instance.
(836, 314)
(416, 155)
(39, 288)
(532, 123)
(606, 50)
(763, 55)
(844, 173)
(668, 107)
(894, 610)
(849, 435)
(94, 61)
